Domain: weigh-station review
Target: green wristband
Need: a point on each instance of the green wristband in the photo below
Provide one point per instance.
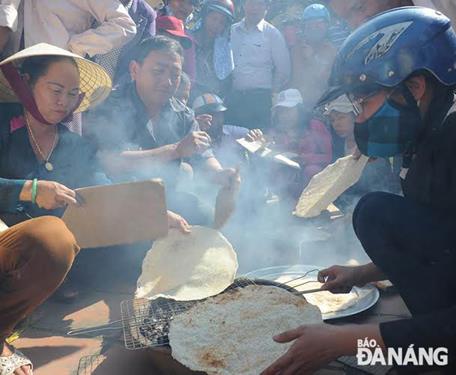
(34, 190)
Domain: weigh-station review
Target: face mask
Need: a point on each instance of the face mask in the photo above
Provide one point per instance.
(389, 131)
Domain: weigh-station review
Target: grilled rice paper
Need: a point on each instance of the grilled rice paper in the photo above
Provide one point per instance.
(231, 333)
(188, 267)
(326, 301)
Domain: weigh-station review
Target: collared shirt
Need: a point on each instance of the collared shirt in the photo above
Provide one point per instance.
(69, 24)
(261, 57)
(121, 124)
(73, 160)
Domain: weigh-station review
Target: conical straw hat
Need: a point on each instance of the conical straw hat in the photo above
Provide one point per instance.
(95, 82)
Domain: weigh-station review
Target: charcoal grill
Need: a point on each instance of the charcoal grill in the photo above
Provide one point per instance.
(145, 323)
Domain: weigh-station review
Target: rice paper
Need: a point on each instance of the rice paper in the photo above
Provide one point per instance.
(188, 267)
(232, 332)
(3, 226)
(326, 301)
(325, 187)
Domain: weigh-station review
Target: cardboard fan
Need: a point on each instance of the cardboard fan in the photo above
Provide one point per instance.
(118, 214)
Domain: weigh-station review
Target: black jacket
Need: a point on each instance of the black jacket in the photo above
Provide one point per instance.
(431, 178)
(431, 181)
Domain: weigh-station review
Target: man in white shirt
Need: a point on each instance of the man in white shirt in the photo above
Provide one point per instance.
(261, 67)
(87, 28)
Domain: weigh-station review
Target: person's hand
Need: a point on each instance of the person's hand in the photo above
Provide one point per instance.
(340, 279)
(255, 135)
(315, 346)
(51, 195)
(229, 178)
(225, 203)
(178, 222)
(193, 143)
(356, 154)
(204, 122)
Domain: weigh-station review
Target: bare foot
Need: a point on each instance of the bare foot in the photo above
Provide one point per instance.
(5, 351)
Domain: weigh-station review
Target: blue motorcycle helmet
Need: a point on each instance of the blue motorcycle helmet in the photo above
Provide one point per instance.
(390, 47)
(382, 54)
(316, 12)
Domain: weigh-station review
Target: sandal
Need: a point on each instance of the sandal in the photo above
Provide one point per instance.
(14, 361)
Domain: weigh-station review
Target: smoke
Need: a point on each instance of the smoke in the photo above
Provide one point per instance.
(265, 233)
(262, 229)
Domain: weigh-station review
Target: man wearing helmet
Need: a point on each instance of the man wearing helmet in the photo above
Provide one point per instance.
(398, 69)
(223, 136)
(214, 63)
(313, 55)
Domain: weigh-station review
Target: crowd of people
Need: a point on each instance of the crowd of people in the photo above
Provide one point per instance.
(102, 91)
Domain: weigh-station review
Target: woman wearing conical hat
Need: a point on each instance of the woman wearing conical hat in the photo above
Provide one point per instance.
(41, 163)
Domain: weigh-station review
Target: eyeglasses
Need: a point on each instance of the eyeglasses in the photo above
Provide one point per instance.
(358, 101)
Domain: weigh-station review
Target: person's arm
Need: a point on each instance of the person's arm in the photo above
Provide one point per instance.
(281, 60)
(117, 163)
(316, 345)
(213, 165)
(116, 28)
(10, 191)
(8, 20)
(157, 155)
(226, 177)
(340, 279)
(50, 194)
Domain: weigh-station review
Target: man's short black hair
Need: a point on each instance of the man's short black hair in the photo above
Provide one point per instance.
(159, 43)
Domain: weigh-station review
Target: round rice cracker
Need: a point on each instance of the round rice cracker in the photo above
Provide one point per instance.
(232, 332)
(187, 267)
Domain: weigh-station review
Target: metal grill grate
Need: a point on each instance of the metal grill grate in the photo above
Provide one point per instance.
(146, 323)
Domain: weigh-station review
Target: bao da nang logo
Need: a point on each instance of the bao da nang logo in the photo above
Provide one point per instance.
(370, 354)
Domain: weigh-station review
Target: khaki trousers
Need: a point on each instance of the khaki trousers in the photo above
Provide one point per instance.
(35, 257)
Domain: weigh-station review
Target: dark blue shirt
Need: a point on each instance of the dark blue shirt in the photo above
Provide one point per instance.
(121, 124)
(73, 160)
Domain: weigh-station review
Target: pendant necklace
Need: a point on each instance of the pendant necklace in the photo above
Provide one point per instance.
(47, 164)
